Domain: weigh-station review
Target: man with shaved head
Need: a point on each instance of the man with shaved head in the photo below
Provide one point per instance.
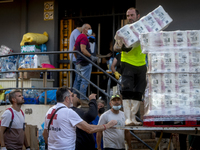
(82, 65)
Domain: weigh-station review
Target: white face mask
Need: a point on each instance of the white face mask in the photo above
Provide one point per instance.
(117, 107)
(89, 32)
(71, 103)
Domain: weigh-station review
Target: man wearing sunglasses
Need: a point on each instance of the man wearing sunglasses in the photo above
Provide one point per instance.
(134, 70)
(113, 138)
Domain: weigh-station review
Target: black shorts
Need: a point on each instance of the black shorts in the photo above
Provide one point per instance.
(133, 81)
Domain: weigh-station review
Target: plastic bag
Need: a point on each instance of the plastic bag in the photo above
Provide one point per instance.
(51, 97)
(34, 37)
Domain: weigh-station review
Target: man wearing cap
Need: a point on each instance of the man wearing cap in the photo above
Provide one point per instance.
(113, 138)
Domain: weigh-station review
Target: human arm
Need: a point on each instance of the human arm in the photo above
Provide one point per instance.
(114, 63)
(26, 142)
(98, 139)
(117, 46)
(91, 114)
(45, 135)
(95, 128)
(74, 49)
(2, 137)
(117, 74)
(128, 139)
(84, 50)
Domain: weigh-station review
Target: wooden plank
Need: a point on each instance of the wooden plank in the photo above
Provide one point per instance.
(33, 141)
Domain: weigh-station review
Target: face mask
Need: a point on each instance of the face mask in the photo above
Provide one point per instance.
(117, 107)
(101, 110)
(89, 32)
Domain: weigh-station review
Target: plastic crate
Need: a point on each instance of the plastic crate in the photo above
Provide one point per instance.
(31, 101)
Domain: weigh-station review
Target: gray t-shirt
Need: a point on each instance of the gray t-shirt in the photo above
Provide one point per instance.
(75, 33)
(113, 138)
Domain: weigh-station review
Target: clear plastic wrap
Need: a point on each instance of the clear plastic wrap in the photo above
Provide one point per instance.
(162, 17)
(174, 61)
(173, 92)
(155, 21)
(150, 23)
(128, 38)
(172, 95)
(170, 40)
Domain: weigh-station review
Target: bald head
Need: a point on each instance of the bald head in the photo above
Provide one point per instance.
(85, 28)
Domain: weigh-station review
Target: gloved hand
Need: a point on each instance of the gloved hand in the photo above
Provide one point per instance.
(93, 58)
(117, 75)
(3, 148)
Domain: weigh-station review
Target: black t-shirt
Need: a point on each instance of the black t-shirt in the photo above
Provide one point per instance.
(83, 139)
(118, 65)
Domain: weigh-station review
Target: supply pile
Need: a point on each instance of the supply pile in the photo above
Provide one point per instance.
(155, 21)
(173, 75)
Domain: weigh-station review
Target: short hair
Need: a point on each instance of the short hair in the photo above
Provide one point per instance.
(62, 93)
(78, 22)
(12, 94)
(84, 25)
(100, 101)
(136, 10)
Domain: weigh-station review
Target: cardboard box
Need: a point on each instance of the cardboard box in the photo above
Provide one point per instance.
(28, 75)
(30, 48)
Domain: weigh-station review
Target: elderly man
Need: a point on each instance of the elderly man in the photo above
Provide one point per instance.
(82, 65)
(61, 122)
(134, 70)
(13, 124)
(113, 138)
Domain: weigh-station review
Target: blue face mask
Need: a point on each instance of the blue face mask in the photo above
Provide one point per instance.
(89, 32)
(117, 107)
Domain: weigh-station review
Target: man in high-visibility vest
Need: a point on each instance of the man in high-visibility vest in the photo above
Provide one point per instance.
(133, 73)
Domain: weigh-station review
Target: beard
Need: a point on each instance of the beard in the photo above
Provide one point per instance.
(20, 102)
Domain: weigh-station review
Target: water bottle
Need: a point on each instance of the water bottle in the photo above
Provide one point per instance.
(27, 62)
(110, 63)
(35, 61)
(43, 48)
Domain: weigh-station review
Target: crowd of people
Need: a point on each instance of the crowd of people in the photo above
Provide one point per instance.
(67, 125)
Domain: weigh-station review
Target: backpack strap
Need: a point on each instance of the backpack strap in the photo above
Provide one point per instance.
(53, 116)
(22, 112)
(11, 118)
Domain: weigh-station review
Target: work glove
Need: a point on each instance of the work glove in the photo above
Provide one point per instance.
(93, 58)
(3, 148)
(117, 75)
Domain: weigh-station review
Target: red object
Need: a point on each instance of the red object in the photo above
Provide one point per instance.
(104, 126)
(189, 121)
(47, 66)
(50, 115)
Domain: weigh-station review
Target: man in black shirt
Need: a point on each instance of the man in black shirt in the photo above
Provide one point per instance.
(83, 139)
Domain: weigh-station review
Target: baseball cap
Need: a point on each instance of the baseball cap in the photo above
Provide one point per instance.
(114, 96)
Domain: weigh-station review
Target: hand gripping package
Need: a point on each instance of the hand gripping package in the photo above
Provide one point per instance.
(128, 38)
(153, 22)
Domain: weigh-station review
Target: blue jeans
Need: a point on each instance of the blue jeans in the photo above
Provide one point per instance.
(81, 84)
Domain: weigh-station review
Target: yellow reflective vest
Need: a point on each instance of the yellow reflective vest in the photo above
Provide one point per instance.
(134, 57)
